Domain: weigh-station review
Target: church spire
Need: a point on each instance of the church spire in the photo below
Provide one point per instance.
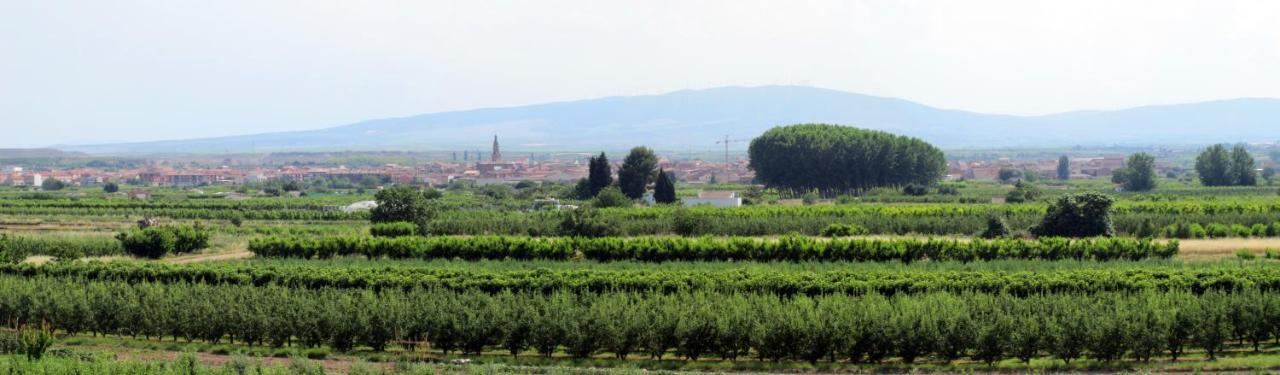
(497, 154)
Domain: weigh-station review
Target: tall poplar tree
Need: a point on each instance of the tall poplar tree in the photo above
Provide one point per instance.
(835, 159)
(1213, 166)
(1064, 168)
(1243, 171)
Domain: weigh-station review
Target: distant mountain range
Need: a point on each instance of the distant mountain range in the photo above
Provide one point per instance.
(695, 119)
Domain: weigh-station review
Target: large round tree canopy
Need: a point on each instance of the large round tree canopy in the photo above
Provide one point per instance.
(833, 158)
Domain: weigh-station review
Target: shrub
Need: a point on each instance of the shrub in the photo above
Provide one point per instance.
(10, 342)
(156, 241)
(35, 341)
(685, 223)
(152, 242)
(317, 353)
(189, 238)
(915, 190)
(809, 198)
(1216, 230)
(1078, 215)
(1195, 230)
(585, 222)
(611, 197)
(1146, 229)
(396, 229)
(844, 230)
(1245, 254)
(1023, 192)
(996, 228)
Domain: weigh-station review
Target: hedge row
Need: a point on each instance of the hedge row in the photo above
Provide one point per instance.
(15, 248)
(889, 281)
(865, 329)
(661, 249)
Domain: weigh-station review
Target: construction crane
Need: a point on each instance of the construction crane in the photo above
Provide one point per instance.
(726, 143)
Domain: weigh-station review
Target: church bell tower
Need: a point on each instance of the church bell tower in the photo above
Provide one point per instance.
(497, 154)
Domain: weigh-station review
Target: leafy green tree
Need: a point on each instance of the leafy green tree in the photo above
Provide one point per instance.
(1213, 327)
(1078, 215)
(1029, 175)
(1268, 174)
(152, 242)
(1009, 175)
(1242, 171)
(835, 159)
(402, 204)
(993, 340)
(155, 241)
(1213, 165)
(1064, 168)
(1069, 333)
(1023, 192)
(51, 184)
(664, 190)
(1028, 337)
(1139, 173)
(1107, 341)
(110, 187)
(581, 190)
(611, 197)
(637, 171)
(599, 175)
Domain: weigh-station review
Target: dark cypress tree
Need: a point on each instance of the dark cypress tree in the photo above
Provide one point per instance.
(1064, 168)
(599, 174)
(664, 191)
(637, 171)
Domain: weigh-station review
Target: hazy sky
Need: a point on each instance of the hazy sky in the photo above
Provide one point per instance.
(104, 71)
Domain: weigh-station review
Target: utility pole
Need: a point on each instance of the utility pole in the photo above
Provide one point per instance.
(726, 143)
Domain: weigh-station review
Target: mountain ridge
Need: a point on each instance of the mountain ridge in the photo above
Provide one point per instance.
(698, 117)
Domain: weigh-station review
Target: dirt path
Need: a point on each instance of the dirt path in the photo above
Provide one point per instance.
(228, 255)
(1224, 248)
(330, 365)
